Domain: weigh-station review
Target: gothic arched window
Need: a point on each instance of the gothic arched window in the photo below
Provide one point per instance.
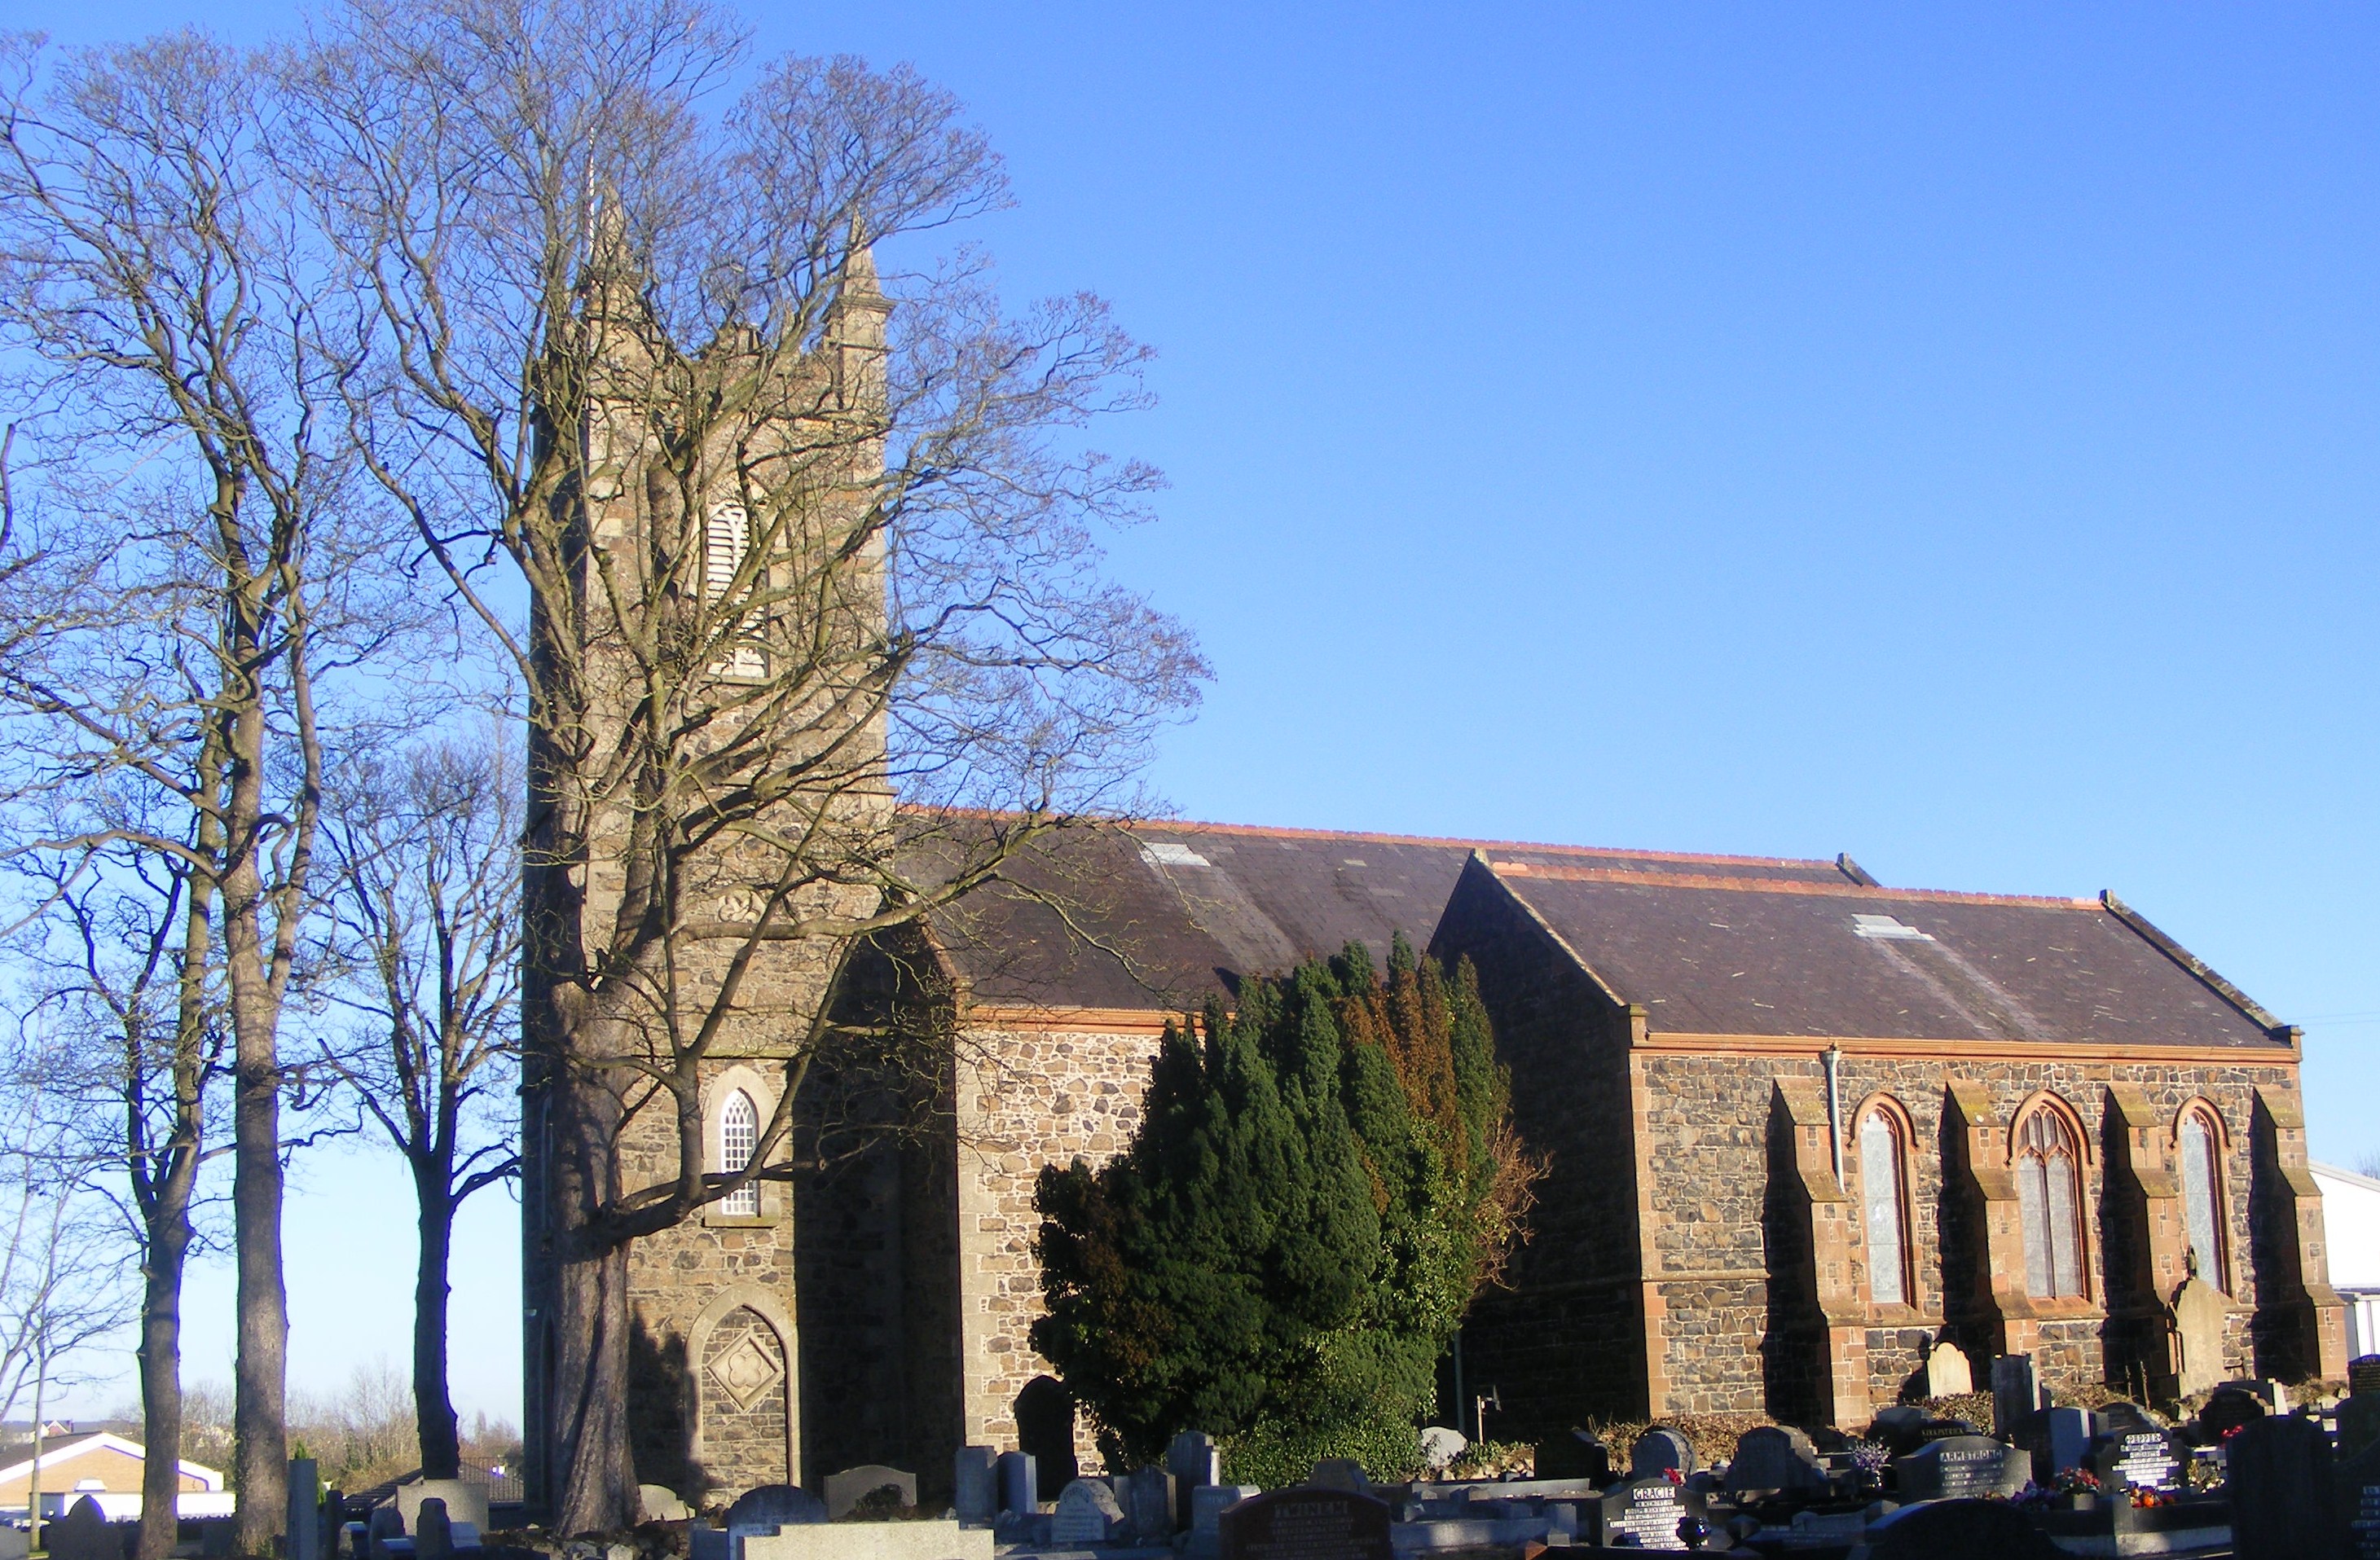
(2049, 1200)
(739, 1133)
(2202, 1190)
(726, 542)
(1883, 1189)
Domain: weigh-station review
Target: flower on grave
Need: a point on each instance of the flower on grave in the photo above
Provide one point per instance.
(1675, 1477)
(1870, 1456)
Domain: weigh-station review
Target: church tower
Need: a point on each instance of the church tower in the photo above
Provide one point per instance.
(708, 770)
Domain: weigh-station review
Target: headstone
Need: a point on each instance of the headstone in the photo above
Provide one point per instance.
(2227, 1411)
(1896, 1428)
(2121, 1415)
(1088, 1512)
(433, 1531)
(1644, 1512)
(305, 1520)
(1956, 1529)
(1960, 1467)
(1045, 1431)
(15, 1543)
(1776, 1460)
(1340, 1473)
(1148, 1505)
(1019, 1489)
(1947, 1374)
(848, 1488)
(2278, 1472)
(1657, 1451)
(1195, 1459)
(1931, 1431)
(2357, 1482)
(975, 1484)
(386, 1525)
(2071, 1432)
(2363, 1375)
(1207, 1504)
(2142, 1458)
(657, 1505)
(2016, 1391)
(1441, 1446)
(467, 1500)
(1575, 1455)
(1306, 1524)
(2198, 1314)
(81, 1534)
(767, 1509)
(2359, 1423)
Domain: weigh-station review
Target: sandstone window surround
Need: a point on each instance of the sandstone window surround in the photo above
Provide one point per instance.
(2046, 1152)
(735, 1104)
(2199, 1143)
(1884, 1133)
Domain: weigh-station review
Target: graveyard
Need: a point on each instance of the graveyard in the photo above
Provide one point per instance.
(2256, 1470)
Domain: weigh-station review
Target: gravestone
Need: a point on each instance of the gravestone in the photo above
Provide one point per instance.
(2356, 1480)
(2363, 1375)
(2278, 1472)
(1207, 1504)
(2016, 1391)
(1340, 1473)
(1150, 1505)
(1306, 1524)
(1956, 1529)
(1896, 1428)
(385, 1526)
(1194, 1460)
(433, 1532)
(467, 1500)
(2143, 1458)
(15, 1543)
(2359, 1422)
(2227, 1411)
(2068, 1435)
(1947, 1374)
(1960, 1467)
(305, 1520)
(767, 1509)
(1088, 1512)
(1575, 1455)
(1019, 1486)
(1776, 1460)
(655, 1503)
(848, 1488)
(2198, 1314)
(1644, 1512)
(1932, 1431)
(2121, 1415)
(81, 1534)
(975, 1484)
(1657, 1451)
(1441, 1446)
(1045, 1431)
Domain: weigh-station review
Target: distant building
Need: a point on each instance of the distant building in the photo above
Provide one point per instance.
(107, 1468)
(2351, 1211)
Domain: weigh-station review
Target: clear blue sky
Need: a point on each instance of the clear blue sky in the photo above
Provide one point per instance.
(1947, 434)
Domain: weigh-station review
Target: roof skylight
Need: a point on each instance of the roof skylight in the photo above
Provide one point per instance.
(1885, 928)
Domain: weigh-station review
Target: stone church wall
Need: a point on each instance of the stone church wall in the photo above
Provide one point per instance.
(1703, 1155)
(1032, 1094)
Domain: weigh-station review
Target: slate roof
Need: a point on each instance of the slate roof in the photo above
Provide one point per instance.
(1731, 956)
(1155, 918)
(1160, 917)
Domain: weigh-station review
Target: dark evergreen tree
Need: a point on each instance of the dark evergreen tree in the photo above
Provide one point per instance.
(1321, 1181)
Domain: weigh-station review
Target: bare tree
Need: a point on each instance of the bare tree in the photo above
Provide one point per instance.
(143, 1034)
(816, 636)
(61, 1288)
(425, 851)
(191, 569)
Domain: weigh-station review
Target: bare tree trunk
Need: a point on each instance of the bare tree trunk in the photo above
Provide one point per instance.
(161, 1375)
(590, 1479)
(259, 1376)
(433, 1406)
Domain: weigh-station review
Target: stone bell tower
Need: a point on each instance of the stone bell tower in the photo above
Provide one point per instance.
(717, 637)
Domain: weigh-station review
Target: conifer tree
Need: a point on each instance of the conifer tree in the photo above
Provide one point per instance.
(1321, 1181)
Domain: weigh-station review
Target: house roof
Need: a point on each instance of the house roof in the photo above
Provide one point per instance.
(74, 1446)
(1732, 955)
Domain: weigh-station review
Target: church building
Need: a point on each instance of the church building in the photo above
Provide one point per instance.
(1796, 1127)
